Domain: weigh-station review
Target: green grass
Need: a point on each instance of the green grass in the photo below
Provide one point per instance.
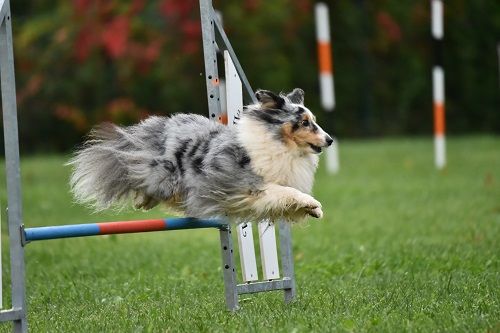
(402, 247)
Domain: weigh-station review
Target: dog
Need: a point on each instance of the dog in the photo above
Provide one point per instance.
(262, 168)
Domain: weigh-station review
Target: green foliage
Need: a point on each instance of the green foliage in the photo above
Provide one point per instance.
(86, 61)
(402, 247)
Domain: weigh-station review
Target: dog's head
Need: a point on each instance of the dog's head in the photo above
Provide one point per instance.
(287, 117)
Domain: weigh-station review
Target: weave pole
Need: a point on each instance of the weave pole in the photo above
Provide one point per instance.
(118, 227)
(326, 78)
(437, 28)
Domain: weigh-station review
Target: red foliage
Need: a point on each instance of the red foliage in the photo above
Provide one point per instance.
(389, 26)
(191, 29)
(145, 55)
(104, 28)
(72, 115)
(84, 42)
(124, 110)
(115, 36)
(176, 8)
(180, 12)
(252, 5)
(304, 6)
(190, 47)
(81, 5)
(137, 6)
(31, 88)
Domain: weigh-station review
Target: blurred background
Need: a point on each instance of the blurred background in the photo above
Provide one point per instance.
(81, 62)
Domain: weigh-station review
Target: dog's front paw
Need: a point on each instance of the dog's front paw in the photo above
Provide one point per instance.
(314, 212)
(312, 207)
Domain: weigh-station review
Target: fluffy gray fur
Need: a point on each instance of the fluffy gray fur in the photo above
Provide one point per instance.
(191, 162)
(187, 161)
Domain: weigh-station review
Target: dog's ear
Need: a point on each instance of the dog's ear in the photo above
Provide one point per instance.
(269, 100)
(296, 96)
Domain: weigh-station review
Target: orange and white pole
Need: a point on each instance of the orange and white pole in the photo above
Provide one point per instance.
(325, 56)
(326, 80)
(438, 90)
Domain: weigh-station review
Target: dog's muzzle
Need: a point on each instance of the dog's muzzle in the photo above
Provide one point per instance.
(319, 149)
(328, 140)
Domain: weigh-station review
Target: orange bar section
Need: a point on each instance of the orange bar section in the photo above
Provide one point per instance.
(439, 126)
(325, 58)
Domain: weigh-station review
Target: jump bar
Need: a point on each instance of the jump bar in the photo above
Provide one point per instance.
(121, 227)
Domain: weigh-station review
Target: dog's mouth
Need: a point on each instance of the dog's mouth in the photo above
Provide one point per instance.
(315, 148)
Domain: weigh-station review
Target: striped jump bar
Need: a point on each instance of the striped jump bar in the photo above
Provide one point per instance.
(120, 227)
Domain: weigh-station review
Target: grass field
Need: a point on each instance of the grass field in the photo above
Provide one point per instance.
(402, 247)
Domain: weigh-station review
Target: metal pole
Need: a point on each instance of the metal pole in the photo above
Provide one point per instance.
(228, 269)
(287, 259)
(208, 21)
(210, 55)
(13, 173)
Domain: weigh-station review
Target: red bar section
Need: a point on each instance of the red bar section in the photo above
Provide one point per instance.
(131, 226)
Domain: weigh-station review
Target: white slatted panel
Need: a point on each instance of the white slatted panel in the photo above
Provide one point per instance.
(234, 91)
(234, 106)
(268, 251)
(247, 252)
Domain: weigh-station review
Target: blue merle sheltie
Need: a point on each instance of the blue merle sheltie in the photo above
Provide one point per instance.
(261, 168)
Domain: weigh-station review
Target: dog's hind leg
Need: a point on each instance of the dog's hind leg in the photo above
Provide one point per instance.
(283, 201)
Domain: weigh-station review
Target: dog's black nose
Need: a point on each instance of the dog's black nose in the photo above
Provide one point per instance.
(329, 140)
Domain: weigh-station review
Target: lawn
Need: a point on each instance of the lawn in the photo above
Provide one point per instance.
(402, 247)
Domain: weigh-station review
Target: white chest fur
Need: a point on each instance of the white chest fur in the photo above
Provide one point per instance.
(273, 160)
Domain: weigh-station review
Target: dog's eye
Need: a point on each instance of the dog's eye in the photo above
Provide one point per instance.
(305, 123)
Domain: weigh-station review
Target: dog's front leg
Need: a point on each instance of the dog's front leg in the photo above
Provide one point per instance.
(285, 201)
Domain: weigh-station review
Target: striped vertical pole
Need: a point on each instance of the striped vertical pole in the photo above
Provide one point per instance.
(326, 80)
(437, 28)
(325, 57)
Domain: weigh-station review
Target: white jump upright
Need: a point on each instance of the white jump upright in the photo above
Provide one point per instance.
(326, 77)
(267, 232)
(234, 107)
(437, 28)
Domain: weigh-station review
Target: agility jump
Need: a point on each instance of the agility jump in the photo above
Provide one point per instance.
(19, 236)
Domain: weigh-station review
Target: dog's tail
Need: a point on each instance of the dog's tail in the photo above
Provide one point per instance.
(114, 162)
